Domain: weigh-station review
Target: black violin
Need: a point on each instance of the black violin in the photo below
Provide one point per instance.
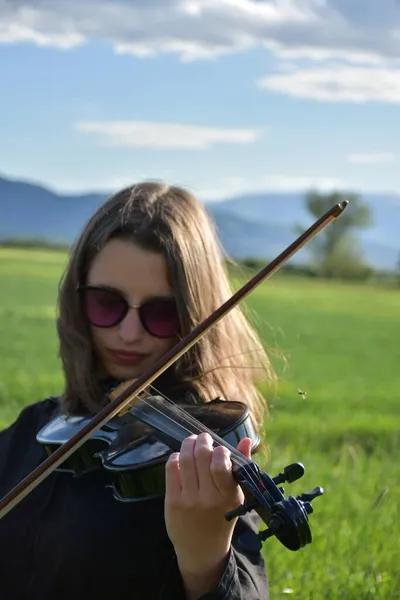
(134, 434)
(134, 448)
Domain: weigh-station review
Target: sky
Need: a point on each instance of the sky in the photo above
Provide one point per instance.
(223, 97)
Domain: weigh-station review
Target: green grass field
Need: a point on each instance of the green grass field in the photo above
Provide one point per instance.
(342, 344)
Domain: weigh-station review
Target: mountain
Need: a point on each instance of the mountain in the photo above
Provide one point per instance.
(280, 212)
(246, 238)
(32, 211)
(251, 225)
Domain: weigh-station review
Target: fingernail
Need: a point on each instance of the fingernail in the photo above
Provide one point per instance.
(173, 456)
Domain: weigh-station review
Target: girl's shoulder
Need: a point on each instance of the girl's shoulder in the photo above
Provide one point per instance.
(20, 452)
(30, 419)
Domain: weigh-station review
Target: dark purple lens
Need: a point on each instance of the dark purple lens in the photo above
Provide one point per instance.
(160, 317)
(103, 308)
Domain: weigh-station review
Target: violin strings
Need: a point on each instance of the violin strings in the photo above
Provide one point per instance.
(189, 420)
(240, 459)
(168, 425)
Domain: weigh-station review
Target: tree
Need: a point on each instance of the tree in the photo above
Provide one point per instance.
(335, 249)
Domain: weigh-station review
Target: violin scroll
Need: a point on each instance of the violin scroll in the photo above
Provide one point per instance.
(287, 518)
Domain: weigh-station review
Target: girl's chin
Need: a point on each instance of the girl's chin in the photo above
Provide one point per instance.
(124, 373)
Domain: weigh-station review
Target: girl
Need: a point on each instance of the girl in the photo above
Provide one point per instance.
(145, 271)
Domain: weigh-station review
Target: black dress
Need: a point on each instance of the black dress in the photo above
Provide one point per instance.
(70, 539)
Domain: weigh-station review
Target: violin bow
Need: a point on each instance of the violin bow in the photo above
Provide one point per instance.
(42, 471)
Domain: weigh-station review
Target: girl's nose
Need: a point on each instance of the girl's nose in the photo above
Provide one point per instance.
(131, 329)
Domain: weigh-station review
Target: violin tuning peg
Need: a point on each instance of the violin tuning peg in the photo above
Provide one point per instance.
(252, 542)
(236, 512)
(290, 473)
(309, 496)
(308, 507)
(272, 530)
(241, 510)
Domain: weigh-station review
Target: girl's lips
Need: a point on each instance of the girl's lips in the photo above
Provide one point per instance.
(127, 358)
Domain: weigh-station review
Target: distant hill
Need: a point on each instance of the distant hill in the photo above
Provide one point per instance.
(380, 243)
(253, 225)
(32, 211)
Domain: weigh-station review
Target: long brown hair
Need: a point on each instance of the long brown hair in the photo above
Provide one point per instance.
(227, 361)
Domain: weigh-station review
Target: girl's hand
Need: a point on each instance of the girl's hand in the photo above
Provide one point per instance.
(200, 489)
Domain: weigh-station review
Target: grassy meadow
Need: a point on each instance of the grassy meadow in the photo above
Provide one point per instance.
(342, 349)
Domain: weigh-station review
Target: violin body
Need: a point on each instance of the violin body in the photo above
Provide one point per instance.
(134, 453)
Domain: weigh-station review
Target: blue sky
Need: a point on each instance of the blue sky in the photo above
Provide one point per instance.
(222, 96)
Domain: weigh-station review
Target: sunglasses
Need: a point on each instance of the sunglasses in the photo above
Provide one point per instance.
(106, 308)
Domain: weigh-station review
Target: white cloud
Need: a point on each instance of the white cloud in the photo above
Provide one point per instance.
(19, 32)
(338, 83)
(371, 158)
(366, 30)
(166, 136)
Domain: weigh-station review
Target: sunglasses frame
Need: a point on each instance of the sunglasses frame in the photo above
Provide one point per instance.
(82, 288)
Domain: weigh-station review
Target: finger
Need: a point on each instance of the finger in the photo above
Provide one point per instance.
(244, 446)
(221, 471)
(203, 453)
(173, 486)
(187, 466)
